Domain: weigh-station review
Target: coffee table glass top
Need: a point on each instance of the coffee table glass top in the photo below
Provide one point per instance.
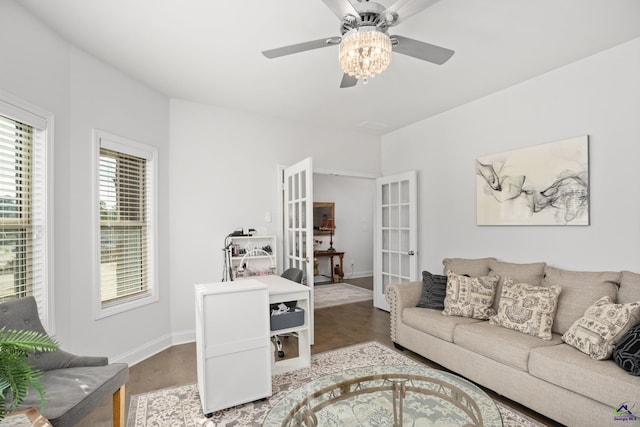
(399, 395)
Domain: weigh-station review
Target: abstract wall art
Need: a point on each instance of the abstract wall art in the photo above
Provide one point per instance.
(542, 185)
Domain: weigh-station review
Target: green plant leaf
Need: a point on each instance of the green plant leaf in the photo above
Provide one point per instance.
(16, 374)
(27, 340)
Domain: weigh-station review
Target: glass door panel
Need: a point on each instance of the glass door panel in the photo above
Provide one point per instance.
(396, 233)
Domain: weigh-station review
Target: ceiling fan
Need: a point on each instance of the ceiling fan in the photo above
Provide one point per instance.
(365, 44)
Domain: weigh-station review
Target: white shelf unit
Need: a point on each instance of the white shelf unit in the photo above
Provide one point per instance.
(283, 290)
(233, 349)
(253, 252)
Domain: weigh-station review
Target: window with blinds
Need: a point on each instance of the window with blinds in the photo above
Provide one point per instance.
(16, 219)
(25, 227)
(126, 219)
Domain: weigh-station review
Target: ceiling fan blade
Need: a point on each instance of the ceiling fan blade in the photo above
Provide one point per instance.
(421, 50)
(348, 81)
(301, 47)
(342, 8)
(403, 9)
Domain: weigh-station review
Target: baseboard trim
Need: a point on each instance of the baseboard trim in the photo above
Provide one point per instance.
(154, 347)
(183, 337)
(358, 274)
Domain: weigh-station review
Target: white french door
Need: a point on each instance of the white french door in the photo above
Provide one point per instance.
(298, 223)
(396, 238)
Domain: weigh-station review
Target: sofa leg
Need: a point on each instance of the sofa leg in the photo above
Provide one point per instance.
(398, 346)
(118, 407)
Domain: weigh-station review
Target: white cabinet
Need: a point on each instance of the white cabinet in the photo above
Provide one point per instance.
(252, 255)
(233, 349)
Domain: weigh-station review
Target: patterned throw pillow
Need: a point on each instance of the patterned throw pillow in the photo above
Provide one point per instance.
(526, 308)
(627, 352)
(470, 296)
(434, 290)
(602, 325)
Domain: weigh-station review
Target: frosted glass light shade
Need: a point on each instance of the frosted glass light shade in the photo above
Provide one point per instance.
(365, 52)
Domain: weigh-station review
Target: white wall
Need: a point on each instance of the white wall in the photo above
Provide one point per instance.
(598, 96)
(353, 198)
(23, 74)
(224, 176)
(105, 99)
(84, 93)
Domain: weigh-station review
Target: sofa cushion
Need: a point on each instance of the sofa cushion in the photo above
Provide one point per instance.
(473, 267)
(71, 394)
(629, 287)
(602, 325)
(434, 289)
(520, 273)
(432, 322)
(470, 296)
(627, 352)
(600, 380)
(500, 344)
(580, 289)
(526, 308)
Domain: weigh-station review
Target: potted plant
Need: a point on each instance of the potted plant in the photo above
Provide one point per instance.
(16, 373)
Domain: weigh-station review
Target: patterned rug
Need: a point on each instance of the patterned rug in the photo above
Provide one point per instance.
(180, 406)
(338, 294)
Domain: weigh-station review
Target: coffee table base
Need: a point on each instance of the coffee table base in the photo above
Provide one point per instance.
(386, 395)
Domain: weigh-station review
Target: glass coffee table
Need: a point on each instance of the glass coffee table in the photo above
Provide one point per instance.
(395, 395)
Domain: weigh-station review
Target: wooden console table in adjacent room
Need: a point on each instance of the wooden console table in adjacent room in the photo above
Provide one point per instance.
(330, 255)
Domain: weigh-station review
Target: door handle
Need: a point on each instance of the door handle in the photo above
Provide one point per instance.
(411, 253)
(306, 260)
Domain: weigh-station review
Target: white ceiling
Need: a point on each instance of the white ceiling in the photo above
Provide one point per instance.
(209, 51)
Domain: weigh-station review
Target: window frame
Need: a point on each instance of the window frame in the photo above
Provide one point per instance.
(43, 122)
(102, 139)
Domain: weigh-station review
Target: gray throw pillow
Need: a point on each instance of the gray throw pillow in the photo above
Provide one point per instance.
(434, 290)
(627, 352)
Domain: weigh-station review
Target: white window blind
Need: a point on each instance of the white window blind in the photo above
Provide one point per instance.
(22, 201)
(16, 254)
(126, 225)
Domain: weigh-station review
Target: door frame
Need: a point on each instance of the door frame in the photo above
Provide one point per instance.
(280, 218)
(316, 171)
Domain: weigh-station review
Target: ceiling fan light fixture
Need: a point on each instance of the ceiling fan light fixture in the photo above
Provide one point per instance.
(364, 52)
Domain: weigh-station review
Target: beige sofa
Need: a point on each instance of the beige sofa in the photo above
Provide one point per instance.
(550, 377)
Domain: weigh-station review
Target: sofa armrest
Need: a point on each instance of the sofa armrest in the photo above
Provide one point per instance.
(60, 359)
(399, 296)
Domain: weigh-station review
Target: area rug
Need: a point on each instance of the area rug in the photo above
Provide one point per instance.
(180, 406)
(338, 294)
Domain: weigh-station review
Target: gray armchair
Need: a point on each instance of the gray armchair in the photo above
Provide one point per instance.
(74, 385)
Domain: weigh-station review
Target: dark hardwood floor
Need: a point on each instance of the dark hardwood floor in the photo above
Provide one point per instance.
(335, 327)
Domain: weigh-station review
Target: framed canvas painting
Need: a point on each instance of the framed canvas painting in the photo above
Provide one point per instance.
(322, 211)
(546, 184)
